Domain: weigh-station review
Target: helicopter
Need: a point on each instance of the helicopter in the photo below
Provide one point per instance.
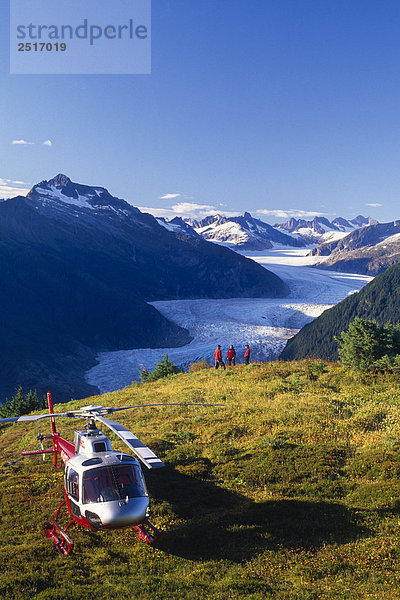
(103, 488)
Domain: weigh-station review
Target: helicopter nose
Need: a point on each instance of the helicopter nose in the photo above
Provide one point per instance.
(121, 513)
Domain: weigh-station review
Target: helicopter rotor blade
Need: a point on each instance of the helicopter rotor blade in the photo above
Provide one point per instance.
(112, 410)
(72, 414)
(147, 456)
(94, 411)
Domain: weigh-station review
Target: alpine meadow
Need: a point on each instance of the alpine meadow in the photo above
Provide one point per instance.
(288, 491)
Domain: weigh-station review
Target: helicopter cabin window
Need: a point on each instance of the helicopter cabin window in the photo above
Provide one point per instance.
(99, 447)
(72, 484)
(115, 482)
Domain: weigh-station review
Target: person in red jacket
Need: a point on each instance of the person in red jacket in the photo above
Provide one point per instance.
(247, 355)
(231, 356)
(218, 358)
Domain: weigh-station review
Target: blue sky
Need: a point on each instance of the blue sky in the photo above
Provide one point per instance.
(280, 108)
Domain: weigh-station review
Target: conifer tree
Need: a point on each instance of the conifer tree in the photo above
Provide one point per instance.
(163, 368)
(368, 346)
(18, 405)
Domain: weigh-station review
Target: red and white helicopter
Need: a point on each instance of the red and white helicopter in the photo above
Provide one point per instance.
(104, 488)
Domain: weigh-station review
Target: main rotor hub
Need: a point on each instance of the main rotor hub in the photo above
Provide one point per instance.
(92, 428)
(91, 442)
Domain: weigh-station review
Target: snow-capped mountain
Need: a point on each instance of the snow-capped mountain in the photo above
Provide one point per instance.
(243, 233)
(248, 233)
(368, 250)
(178, 225)
(360, 221)
(78, 267)
(320, 230)
(65, 199)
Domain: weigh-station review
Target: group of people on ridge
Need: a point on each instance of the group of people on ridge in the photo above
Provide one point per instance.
(230, 356)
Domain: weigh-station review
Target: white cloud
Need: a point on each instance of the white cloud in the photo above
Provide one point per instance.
(169, 196)
(192, 207)
(10, 188)
(22, 143)
(199, 211)
(187, 210)
(167, 213)
(289, 213)
(193, 210)
(47, 143)
(374, 204)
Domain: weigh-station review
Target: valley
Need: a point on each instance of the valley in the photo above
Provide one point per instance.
(264, 323)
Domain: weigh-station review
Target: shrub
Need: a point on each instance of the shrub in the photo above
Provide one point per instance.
(199, 366)
(163, 368)
(314, 370)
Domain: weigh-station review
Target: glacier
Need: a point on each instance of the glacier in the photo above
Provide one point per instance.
(264, 324)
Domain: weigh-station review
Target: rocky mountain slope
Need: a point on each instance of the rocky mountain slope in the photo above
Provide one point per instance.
(77, 267)
(368, 250)
(378, 300)
(178, 225)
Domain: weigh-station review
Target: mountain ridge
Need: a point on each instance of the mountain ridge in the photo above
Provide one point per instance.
(320, 230)
(369, 250)
(244, 232)
(80, 266)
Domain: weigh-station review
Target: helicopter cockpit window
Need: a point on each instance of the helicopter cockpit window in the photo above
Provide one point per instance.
(116, 482)
(72, 484)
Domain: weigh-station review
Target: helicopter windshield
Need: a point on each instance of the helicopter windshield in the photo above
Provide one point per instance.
(115, 482)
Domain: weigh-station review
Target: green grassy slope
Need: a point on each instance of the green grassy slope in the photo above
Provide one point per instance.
(289, 491)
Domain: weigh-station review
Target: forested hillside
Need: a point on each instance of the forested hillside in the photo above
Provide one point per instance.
(378, 300)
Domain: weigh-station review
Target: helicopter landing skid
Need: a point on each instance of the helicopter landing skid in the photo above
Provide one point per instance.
(62, 542)
(147, 532)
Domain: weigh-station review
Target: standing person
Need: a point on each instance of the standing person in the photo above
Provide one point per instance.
(231, 356)
(218, 358)
(247, 355)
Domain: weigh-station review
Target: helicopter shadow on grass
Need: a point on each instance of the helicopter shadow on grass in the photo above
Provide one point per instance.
(220, 524)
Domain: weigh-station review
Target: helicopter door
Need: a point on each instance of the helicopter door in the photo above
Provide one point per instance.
(72, 489)
(72, 483)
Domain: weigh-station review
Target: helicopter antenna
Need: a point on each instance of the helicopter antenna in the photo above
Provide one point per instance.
(40, 438)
